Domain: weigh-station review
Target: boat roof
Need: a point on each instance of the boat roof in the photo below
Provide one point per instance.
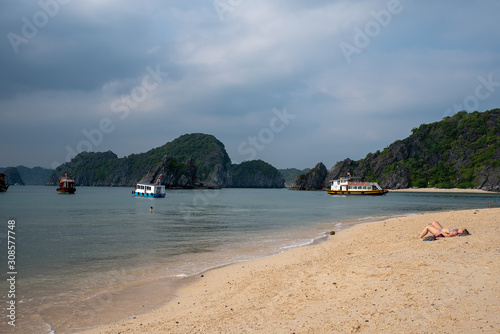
(357, 178)
(353, 179)
(151, 184)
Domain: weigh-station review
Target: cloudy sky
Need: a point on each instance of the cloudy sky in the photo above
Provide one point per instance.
(286, 81)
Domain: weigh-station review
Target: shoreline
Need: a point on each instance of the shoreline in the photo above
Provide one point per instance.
(361, 279)
(442, 190)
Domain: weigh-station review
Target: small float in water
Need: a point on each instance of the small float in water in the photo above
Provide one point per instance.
(66, 185)
(354, 186)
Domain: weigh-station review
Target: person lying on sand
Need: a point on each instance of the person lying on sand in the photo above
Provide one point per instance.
(437, 230)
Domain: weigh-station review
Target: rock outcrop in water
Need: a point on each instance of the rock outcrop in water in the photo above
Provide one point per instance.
(312, 180)
(290, 175)
(32, 176)
(256, 174)
(206, 164)
(106, 169)
(173, 174)
(13, 177)
(99, 169)
(460, 151)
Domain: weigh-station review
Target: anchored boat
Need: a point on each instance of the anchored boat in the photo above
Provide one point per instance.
(3, 186)
(149, 190)
(66, 185)
(354, 186)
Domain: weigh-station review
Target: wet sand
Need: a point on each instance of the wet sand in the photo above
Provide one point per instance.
(371, 278)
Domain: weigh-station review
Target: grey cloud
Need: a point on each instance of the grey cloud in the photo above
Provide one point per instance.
(226, 76)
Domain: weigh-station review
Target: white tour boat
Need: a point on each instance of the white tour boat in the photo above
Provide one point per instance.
(149, 190)
(354, 186)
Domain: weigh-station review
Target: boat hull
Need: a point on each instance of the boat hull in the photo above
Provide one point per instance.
(141, 194)
(66, 190)
(376, 192)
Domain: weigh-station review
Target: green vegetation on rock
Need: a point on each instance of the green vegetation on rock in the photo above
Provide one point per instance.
(453, 151)
(460, 151)
(206, 150)
(256, 174)
(205, 153)
(291, 174)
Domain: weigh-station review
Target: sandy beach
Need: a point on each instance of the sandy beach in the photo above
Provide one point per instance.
(442, 190)
(371, 278)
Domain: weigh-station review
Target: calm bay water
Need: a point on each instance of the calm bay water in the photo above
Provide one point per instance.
(101, 254)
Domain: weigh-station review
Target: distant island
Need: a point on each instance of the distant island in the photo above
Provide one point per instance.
(22, 175)
(462, 151)
(194, 160)
(290, 175)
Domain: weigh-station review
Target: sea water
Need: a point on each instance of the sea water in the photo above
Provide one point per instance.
(102, 255)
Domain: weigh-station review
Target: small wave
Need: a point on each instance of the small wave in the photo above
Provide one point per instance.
(319, 238)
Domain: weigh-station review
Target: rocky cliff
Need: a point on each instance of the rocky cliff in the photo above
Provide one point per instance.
(256, 174)
(106, 169)
(290, 175)
(99, 169)
(35, 175)
(461, 151)
(209, 155)
(32, 176)
(173, 174)
(13, 177)
(312, 180)
(206, 164)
